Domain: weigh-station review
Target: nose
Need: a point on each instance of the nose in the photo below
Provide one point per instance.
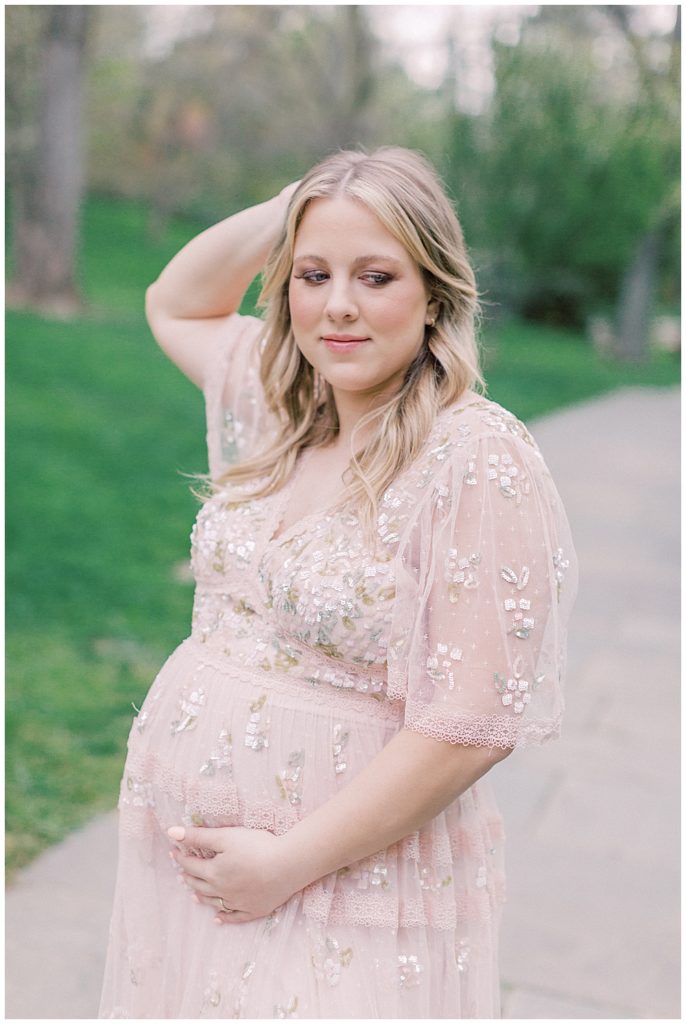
(340, 303)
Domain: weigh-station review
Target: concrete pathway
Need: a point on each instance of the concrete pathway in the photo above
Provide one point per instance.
(591, 927)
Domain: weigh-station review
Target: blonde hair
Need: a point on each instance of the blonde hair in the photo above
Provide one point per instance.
(403, 191)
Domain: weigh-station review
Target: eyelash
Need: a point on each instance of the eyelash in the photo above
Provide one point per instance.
(307, 276)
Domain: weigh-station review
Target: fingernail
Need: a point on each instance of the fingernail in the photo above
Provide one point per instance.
(196, 897)
(218, 920)
(176, 832)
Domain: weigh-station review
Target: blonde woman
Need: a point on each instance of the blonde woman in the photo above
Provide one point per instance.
(384, 575)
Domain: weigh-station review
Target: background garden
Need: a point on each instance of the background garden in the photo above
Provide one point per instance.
(129, 129)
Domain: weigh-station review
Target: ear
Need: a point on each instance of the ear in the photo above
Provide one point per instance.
(432, 310)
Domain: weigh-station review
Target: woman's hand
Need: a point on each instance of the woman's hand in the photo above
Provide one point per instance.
(247, 870)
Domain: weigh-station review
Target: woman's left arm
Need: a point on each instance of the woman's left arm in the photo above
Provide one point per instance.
(408, 783)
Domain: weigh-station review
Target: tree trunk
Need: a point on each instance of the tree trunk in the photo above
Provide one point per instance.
(357, 77)
(634, 308)
(636, 300)
(48, 196)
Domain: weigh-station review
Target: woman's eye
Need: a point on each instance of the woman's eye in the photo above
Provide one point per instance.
(314, 276)
(376, 277)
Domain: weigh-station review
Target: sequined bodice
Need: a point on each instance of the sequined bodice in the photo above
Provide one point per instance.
(314, 602)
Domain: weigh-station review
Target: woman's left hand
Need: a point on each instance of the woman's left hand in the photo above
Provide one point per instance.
(248, 870)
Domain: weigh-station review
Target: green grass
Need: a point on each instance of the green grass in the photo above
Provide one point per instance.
(99, 425)
(534, 370)
(100, 429)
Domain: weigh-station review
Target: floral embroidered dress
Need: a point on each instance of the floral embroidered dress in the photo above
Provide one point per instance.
(308, 653)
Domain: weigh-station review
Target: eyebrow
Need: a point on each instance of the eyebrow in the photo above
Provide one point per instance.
(360, 261)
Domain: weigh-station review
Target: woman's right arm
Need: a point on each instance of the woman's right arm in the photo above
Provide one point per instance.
(189, 303)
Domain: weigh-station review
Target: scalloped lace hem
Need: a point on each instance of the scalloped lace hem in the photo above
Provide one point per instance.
(217, 801)
(481, 730)
(357, 909)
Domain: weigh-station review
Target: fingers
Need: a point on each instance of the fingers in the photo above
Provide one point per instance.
(223, 916)
(195, 867)
(199, 885)
(237, 917)
(206, 838)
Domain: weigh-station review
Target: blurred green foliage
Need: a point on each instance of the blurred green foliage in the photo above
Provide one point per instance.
(573, 159)
(572, 164)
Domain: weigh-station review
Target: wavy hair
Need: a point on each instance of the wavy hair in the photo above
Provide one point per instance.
(401, 188)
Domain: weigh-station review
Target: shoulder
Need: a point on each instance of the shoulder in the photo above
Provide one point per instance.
(236, 362)
(477, 423)
(245, 332)
(485, 417)
(473, 445)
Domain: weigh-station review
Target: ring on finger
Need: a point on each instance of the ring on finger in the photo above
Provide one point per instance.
(227, 910)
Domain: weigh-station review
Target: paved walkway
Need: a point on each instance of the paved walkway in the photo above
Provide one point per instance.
(591, 926)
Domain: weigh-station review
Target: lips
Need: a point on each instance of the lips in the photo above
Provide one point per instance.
(343, 342)
(345, 337)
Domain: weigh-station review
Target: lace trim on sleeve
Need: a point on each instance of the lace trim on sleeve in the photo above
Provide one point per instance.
(481, 730)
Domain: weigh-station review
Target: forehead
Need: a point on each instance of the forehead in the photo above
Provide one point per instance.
(344, 225)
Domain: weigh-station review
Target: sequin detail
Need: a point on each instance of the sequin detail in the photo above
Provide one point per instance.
(441, 664)
(212, 996)
(220, 759)
(281, 1012)
(516, 691)
(461, 572)
(191, 702)
(410, 970)
(242, 990)
(329, 593)
(289, 779)
(462, 955)
(431, 880)
(231, 434)
(369, 877)
(512, 483)
(142, 794)
(521, 624)
(340, 739)
(561, 565)
(329, 962)
(257, 728)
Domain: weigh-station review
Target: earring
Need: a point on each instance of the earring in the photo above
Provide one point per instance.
(431, 323)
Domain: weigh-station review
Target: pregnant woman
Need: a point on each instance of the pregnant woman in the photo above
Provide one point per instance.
(384, 577)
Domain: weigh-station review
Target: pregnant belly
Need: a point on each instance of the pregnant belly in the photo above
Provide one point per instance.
(219, 744)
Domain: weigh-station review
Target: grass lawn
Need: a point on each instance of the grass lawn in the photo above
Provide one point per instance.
(100, 430)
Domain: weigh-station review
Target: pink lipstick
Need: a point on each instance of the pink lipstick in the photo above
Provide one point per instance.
(343, 342)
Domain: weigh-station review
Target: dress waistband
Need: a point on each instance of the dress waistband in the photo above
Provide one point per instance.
(352, 688)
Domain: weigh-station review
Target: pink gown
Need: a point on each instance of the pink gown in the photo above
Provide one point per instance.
(308, 653)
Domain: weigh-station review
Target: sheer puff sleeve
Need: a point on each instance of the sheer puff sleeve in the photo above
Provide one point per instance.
(486, 580)
(237, 418)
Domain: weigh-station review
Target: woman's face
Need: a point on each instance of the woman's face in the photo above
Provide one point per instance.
(357, 299)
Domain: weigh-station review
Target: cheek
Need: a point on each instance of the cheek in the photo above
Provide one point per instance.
(401, 314)
(304, 306)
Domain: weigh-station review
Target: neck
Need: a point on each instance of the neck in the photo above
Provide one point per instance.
(351, 407)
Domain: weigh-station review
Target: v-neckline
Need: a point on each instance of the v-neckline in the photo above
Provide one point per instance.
(273, 535)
